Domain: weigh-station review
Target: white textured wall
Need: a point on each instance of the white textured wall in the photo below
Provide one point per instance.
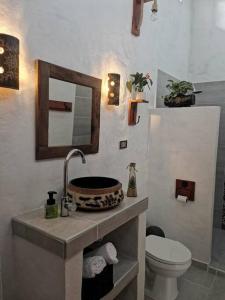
(207, 59)
(183, 143)
(93, 37)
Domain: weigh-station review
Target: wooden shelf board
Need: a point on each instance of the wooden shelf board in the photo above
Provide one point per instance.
(124, 272)
(138, 101)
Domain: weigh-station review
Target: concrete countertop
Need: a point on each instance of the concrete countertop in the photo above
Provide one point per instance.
(67, 236)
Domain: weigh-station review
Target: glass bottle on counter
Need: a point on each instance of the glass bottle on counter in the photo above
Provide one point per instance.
(132, 187)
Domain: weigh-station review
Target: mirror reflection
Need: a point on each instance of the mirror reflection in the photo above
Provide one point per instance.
(70, 113)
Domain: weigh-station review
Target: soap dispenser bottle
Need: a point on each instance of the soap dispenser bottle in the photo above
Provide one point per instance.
(51, 208)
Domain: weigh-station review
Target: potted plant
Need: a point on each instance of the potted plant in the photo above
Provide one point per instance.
(182, 94)
(138, 82)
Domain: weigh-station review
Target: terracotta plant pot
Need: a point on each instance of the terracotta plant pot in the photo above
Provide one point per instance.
(140, 96)
(180, 101)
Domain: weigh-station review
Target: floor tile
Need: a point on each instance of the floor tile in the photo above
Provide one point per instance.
(147, 298)
(217, 294)
(219, 284)
(200, 277)
(191, 291)
(218, 250)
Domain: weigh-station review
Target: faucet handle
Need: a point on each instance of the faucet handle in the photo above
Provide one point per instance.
(71, 205)
(64, 207)
(67, 206)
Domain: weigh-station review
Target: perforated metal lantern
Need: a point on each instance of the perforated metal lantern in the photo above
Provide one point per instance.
(114, 89)
(9, 61)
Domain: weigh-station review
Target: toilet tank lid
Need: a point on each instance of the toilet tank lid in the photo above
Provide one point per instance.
(166, 250)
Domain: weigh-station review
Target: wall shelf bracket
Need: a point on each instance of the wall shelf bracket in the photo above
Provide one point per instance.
(132, 112)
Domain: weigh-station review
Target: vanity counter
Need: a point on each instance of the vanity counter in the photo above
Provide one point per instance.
(48, 253)
(67, 236)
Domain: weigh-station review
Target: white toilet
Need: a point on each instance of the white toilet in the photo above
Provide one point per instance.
(168, 260)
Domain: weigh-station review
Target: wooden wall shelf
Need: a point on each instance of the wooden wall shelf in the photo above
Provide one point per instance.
(138, 101)
(132, 111)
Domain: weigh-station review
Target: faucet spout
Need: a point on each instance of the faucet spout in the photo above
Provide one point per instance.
(65, 199)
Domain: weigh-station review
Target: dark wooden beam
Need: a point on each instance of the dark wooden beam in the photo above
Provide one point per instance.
(60, 105)
(138, 6)
(137, 16)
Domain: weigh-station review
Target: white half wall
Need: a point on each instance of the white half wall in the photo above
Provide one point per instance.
(183, 145)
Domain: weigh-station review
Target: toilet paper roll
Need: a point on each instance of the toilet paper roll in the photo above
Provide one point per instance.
(183, 199)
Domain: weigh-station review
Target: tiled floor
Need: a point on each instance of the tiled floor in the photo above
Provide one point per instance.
(198, 284)
(218, 251)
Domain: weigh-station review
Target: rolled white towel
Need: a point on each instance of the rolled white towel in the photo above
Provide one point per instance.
(109, 252)
(93, 265)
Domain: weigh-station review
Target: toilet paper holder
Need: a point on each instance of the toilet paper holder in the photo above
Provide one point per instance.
(185, 188)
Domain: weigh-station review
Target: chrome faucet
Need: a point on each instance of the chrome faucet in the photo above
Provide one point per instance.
(65, 207)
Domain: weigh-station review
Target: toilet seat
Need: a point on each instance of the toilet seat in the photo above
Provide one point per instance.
(167, 251)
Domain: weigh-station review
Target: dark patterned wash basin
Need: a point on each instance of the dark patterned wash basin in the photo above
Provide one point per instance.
(96, 193)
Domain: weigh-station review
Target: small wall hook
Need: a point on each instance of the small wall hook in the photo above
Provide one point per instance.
(132, 112)
(138, 120)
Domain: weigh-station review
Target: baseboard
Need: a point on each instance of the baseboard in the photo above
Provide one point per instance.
(208, 267)
(199, 264)
(216, 270)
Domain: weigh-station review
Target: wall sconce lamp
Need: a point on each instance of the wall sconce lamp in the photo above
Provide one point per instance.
(154, 7)
(154, 10)
(9, 61)
(114, 89)
(138, 6)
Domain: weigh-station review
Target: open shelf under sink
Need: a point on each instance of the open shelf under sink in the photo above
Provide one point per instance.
(124, 272)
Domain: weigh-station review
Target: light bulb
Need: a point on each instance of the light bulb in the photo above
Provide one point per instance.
(154, 10)
(2, 50)
(111, 95)
(1, 70)
(112, 83)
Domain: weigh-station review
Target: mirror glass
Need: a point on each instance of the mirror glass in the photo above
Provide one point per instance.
(71, 126)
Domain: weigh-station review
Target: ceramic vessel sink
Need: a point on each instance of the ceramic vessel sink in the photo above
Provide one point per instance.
(96, 193)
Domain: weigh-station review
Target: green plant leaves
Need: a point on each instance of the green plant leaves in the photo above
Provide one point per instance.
(139, 81)
(129, 85)
(178, 88)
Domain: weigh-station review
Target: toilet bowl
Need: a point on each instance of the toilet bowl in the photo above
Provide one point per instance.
(167, 260)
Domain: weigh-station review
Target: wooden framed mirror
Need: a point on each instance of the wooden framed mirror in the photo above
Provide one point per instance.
(67, 111)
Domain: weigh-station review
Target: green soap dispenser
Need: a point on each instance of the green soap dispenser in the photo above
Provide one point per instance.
(51, 207)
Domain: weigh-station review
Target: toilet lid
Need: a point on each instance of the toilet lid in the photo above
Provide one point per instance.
(166, 250)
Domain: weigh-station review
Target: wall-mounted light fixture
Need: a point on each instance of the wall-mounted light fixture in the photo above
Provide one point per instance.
(9, 61)
(138, 6)
(154, 10)
(154, 6)
(114, 89)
